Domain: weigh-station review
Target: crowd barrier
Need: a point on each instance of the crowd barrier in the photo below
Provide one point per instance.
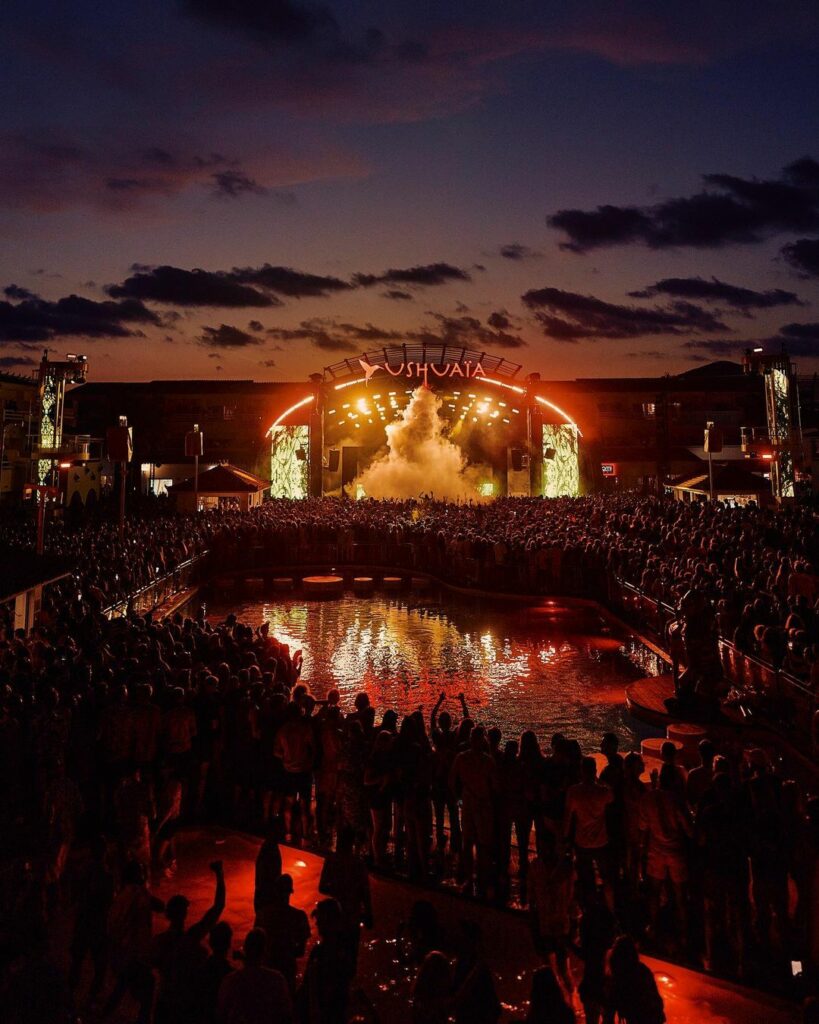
(786, 701)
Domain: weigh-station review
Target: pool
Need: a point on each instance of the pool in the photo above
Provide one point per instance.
(545, 665)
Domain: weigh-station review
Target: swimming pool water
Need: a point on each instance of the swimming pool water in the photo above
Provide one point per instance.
(545, 665)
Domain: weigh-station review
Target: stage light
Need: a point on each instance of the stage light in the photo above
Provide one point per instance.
(486, 488)
(361, 405)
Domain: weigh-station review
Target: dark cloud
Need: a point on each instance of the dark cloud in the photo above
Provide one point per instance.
(37, 320)
(516, 251)
(179, 287)
(717, 347)
(426, 276)
(800, 339)
(11, 362)
(270, 21)
(794, 338)
(14, 291)
(499, 320)
(310, 27)
(714, 290)
(226, 336)
(729, 210)
(570, 317)
(467, 331)
(803, 255)
(255, 325)
(335, 336)
(232, 184)
(267, 362)
(285, 281)
(397, 295)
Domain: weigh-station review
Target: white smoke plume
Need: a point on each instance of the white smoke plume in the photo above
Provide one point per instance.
(419, 459)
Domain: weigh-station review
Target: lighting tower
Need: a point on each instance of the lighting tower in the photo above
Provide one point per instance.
(783, 415)
(54, 375)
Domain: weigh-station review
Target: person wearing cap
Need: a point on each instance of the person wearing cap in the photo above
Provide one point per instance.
(178, 954)
(256, 994)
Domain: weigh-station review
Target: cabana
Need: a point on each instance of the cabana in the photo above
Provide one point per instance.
(219, 486)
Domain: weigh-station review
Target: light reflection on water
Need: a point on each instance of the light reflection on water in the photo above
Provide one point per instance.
(544, 666)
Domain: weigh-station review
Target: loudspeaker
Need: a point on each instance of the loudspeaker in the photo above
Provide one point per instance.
(713, 440)
(549, 454)
(194, 443)
(517, 459)
(333, 460)
(119, 442)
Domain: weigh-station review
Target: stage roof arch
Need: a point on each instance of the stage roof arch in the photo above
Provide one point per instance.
(433, 354)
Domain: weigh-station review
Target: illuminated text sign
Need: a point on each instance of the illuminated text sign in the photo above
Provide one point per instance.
(469, 370)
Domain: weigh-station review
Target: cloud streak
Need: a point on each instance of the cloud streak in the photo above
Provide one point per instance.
(730, 210)
(571, 317)
(719, 292)
(38, 320)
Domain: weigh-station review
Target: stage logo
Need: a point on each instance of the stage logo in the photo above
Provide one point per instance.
(469, 370)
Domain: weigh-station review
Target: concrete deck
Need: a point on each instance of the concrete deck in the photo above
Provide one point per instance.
(690, 997)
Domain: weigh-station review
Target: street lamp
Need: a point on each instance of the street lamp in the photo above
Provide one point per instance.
(195, 446)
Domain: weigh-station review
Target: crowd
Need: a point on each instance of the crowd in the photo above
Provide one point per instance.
(755, 567)
(113, 732)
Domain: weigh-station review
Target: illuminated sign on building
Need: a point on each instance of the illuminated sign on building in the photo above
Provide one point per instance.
(469, 370)
(608, 468)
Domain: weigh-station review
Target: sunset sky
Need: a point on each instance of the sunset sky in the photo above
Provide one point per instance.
(239, 188)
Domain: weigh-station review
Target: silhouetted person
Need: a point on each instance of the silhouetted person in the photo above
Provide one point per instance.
(345, 878)
(256, 994)
(325, 988)
(214, 971)
(631, 990)
(286, 929)
(178, 955)
(475, 999)
(432, 991)
(95, 894)
(268, 870)
(547, 1004)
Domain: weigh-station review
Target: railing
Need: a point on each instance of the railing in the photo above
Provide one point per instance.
(786, 701)
(162, 589)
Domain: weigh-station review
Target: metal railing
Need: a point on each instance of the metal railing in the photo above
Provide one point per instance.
(788, 703)
(160, 590)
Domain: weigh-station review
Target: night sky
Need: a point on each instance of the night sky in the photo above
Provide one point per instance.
(239, 188)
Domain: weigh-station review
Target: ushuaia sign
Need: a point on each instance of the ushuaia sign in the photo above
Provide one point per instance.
(468, 370)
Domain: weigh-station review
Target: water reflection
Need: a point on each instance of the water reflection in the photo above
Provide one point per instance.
(541, 666)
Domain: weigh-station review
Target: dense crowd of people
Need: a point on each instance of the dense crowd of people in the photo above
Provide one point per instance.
(114, 732)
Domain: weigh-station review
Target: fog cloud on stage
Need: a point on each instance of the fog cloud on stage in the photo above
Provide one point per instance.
(419, 460)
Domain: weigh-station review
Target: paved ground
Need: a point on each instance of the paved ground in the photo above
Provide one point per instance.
(690, 998)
